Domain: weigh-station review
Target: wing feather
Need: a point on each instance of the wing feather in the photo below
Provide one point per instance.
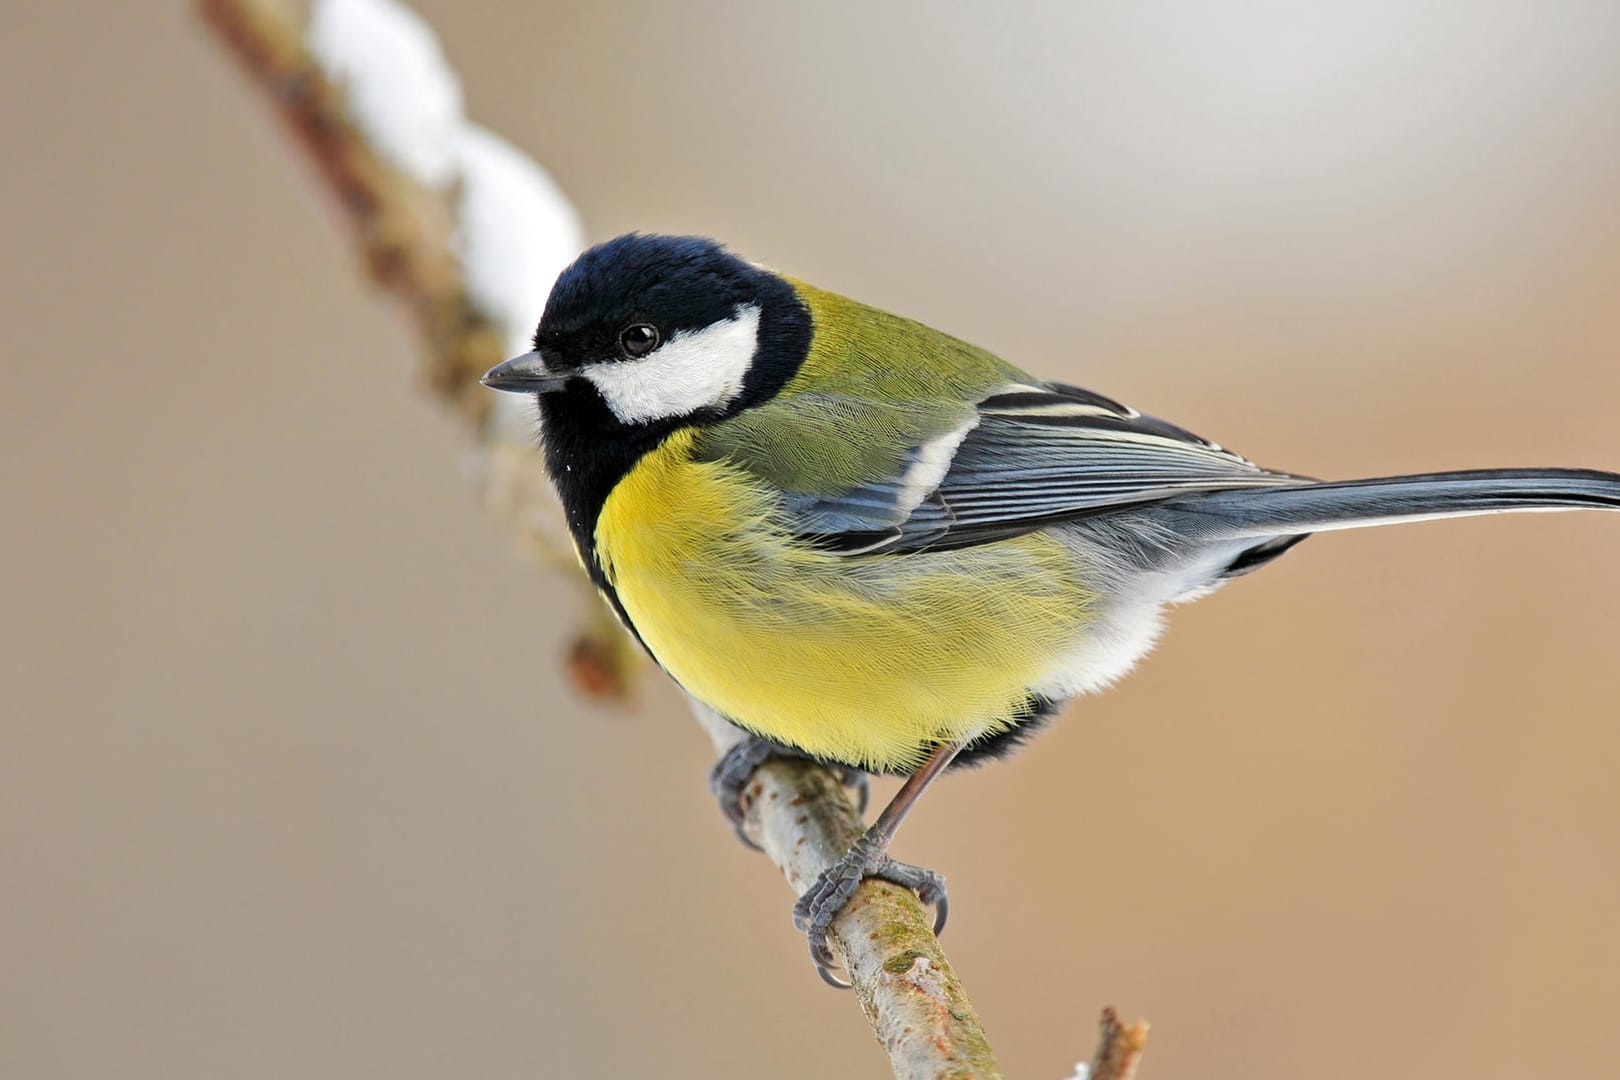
(1018, 460)
(1040, 456)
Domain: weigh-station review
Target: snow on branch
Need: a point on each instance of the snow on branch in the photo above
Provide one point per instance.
(465, 231)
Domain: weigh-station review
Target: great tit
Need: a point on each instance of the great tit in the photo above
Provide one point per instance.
(869, 543)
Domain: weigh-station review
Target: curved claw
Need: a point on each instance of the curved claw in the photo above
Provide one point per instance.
(942, 910)
(728, 779)
(832, 980)
(819, 906)
(821, 953)
(729, 776)
(739, 829)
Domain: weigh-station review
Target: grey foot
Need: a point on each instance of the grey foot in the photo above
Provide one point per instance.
(728, 779)
(866, 858)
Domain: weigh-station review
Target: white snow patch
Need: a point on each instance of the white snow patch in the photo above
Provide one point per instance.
(518, 232)
(400, 88)
(516, 229)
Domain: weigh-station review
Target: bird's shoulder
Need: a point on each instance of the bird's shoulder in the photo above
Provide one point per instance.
(873, 387)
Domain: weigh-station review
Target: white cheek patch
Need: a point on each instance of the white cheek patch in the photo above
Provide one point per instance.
(695, 369)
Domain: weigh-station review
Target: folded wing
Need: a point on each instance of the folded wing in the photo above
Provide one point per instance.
(1023, 458)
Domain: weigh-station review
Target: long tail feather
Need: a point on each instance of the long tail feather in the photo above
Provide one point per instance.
(1352, 504)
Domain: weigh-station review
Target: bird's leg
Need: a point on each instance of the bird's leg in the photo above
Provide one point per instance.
(728, 779)
(868, 857)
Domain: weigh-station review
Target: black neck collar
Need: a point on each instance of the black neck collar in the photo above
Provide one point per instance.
(588, 450)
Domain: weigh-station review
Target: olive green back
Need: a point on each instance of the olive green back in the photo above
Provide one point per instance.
(873, 387)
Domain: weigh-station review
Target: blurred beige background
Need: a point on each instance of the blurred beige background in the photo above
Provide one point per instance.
(289, 785)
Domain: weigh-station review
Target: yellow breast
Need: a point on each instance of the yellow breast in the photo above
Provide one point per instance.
(866, 659)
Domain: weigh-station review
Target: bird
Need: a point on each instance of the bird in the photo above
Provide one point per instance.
(866, 542)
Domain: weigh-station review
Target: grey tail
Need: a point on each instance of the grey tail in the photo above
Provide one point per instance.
(1352, 504)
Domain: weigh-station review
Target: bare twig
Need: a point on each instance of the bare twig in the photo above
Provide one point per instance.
(1119, 1048)
(405, 231)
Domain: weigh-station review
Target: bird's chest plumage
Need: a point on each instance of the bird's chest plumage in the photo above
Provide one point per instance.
(865, 659)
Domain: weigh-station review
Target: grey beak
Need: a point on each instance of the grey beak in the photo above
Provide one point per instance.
(524, 374)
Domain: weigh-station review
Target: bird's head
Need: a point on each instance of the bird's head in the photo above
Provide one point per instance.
(644, 332)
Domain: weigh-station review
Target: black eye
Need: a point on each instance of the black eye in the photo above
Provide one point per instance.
(638, 340)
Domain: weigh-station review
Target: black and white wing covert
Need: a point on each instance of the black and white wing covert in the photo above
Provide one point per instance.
(1025, 458)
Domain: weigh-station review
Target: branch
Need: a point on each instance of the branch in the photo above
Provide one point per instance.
(798, 812)
(409, 185)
